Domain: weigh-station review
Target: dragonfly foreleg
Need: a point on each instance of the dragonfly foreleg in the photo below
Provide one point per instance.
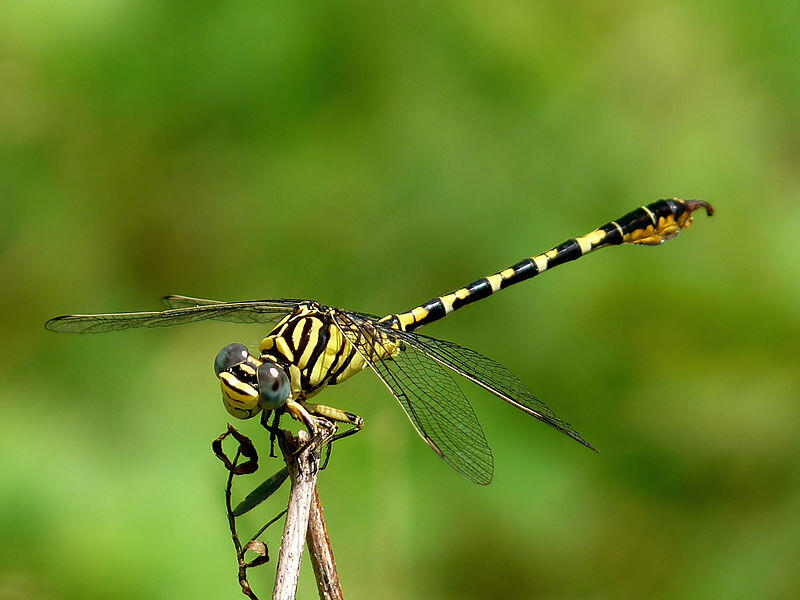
(299, 412)
(272, 428)
(314, 419)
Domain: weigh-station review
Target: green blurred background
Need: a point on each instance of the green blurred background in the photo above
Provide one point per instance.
(370, 156)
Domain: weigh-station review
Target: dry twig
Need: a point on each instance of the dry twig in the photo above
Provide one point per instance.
(321, 553)
(302, 459)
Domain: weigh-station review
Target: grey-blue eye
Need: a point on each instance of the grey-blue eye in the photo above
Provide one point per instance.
(273, 385)
(230, 356)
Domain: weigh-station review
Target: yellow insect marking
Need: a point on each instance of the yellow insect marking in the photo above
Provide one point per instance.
(507, 273)
(325, 361)
(495, 281)
(615, 224)
(297, 334)
(637, 235)
(685, 218)
(406, 319)
(267, 343)
(358, 364)
(329, 412)
(462, 293)
(648, 236)
(247, 369)
(241, 413)
(236, 390)
(551, 253)
(297, 411)
(294, 378)
(282, 322)
(668, 227)
(447, 301)
(649, 212)
(283, 348)
(590, 240)
(540, 260)
(665, 229)
(313, 339)
(280, 329)
(419, 313)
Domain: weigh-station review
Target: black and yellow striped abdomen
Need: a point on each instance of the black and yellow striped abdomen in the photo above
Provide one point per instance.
(649, 225)
(315, 353)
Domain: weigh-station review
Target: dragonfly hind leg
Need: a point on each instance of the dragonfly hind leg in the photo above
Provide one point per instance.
(340, 416)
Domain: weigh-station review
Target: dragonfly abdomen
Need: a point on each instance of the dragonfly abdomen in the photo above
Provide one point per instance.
(648, 225)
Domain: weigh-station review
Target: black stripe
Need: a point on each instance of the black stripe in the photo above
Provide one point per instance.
(664, 208)
(345, 364)
(613, 234)
(336, 357)
(636, 219)
(243, 376)
(322, 342)
(477, 290)
(435, 309)
(304, 336)
(524, 269)
(676, 207)
(565, 252)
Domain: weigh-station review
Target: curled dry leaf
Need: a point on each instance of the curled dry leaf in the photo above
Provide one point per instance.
(246, 447)
(260, 548)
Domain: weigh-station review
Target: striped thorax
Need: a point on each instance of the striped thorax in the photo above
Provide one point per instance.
(313, 349)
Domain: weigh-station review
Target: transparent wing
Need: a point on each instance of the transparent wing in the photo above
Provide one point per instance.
(266, 311)
(438, 409)
(488, 374)
(178, 301)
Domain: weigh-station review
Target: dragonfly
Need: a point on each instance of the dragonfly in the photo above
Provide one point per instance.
(312, 346)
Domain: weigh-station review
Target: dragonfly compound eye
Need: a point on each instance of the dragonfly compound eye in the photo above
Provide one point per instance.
(273, 386)
(230, 356)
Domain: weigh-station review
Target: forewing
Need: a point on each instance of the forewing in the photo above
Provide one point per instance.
(490, 375)
(438, 409)
(267, 311)
(178, 301)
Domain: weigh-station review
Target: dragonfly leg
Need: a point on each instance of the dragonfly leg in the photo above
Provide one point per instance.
(334, 414)
(300, 413)
(272, 428)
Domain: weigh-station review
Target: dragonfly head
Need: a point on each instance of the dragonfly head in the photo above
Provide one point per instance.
(249, 384)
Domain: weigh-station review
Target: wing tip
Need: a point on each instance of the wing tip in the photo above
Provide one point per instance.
(56, 324)
(483, 481)
(575, 436)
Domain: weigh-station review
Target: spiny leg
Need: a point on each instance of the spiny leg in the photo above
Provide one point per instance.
(341, 416)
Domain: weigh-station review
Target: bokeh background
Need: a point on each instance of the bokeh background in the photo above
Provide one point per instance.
(372, 155)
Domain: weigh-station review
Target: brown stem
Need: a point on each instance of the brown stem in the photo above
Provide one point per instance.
(243, 582)
(321, 553)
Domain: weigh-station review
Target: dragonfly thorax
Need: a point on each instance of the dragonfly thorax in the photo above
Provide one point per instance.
(314, 351)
